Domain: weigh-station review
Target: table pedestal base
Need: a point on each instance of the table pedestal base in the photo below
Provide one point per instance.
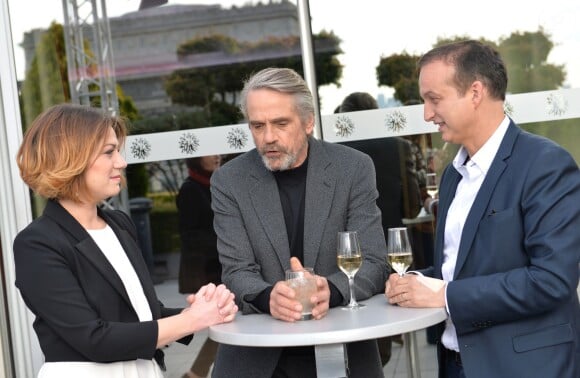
(410, 340)
(331, 360)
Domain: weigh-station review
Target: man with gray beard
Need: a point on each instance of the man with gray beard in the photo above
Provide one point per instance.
(286, 200)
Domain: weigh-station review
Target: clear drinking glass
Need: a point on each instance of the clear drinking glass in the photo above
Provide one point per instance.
(431, 184)
(349, 260)
(304, 283)
(399, 252)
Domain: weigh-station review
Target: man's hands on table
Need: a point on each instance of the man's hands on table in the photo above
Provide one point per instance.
(415, 291)
(285, 306)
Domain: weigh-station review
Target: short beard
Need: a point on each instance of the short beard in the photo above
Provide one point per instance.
(287, 160)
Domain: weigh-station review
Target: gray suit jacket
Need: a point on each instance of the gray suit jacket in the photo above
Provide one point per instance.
(254, 249)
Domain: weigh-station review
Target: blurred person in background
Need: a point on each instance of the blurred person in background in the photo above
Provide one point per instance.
(199, 263)
(397, 183)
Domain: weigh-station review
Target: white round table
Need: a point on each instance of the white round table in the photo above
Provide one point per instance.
(328, 335)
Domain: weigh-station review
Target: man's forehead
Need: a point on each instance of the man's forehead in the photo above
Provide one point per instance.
(435, 73)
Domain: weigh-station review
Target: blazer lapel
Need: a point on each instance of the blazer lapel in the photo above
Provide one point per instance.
(319, 195)
(449, 183)
(133, 252)
(86, 245)
(89, 249)
(484, 195)
(266, 201)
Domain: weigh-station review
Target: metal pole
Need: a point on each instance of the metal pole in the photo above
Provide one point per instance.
(86, 85)
(410, 341)
(308, 60)
(20, 354)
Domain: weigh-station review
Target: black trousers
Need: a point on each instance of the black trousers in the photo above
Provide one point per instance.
(450, 365)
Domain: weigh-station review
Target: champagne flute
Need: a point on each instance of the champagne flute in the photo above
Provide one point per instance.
(431, 184)
(349, 260)
(399, 253)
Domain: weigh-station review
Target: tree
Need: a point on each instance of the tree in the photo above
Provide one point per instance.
(214, 87)
(46, 81)
(399, 71)
(526, 57)
(443, 41)
(46, 84)
(209, 91)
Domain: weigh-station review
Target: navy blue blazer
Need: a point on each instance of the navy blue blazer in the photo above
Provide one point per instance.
(513, 299)
(83, 312)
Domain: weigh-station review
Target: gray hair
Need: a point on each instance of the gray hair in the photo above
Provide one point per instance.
(282, 80)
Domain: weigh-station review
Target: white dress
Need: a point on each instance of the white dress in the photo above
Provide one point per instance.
(112, 249)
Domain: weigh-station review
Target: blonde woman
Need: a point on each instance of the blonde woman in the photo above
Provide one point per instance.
(79, 268)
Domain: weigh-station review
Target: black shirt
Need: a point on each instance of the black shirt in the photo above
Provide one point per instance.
(292, 189)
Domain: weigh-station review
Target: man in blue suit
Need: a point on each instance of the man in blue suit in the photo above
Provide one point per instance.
(508, 236)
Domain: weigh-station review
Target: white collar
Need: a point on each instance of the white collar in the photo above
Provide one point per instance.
(485, 155)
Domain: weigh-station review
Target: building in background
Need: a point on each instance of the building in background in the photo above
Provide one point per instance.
(145, 42)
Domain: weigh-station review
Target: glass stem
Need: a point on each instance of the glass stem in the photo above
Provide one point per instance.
(351, 287)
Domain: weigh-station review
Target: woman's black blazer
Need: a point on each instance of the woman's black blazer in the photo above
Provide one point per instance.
(83, 312)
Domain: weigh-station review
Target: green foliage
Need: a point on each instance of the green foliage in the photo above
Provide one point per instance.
(46, 84)
(152, 124)
(400, 72)
(395, 67)
(407, 90)
(213, 88)
(328, 69)
(443, 40)
(163, 202)
(205, 44)
(224, 114)
(191, 87)
(46, 81)
(524, 53)
(127, 107)
(526, 49)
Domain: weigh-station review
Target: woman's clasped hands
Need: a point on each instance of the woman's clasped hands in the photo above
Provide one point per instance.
(212, 305)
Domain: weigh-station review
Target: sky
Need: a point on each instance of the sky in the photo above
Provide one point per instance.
(370, 29)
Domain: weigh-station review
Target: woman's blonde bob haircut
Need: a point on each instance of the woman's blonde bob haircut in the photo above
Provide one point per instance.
(60, 145)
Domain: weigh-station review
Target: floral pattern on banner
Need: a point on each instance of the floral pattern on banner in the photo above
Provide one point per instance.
(556, 104)
(140, 148)
(396, 121)
(344, 126)
(188, 143)
(237, 138)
